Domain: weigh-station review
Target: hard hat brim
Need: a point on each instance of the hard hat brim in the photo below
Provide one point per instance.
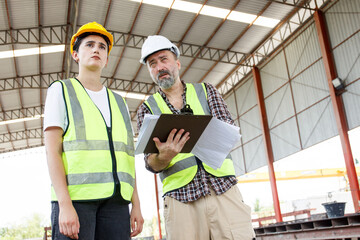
(100, 31)
(173, 50)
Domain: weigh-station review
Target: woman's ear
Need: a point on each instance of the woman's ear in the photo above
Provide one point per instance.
(75, 56)
(107, 60)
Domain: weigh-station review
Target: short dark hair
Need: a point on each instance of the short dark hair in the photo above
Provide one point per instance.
(84, 35)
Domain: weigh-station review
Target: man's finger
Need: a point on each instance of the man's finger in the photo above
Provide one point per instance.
(171, 135)
(184, 139)
(178, 136)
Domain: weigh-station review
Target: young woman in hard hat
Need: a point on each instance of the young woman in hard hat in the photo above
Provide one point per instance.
(90, 149)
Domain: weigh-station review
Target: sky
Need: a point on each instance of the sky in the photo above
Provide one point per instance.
(25, 182)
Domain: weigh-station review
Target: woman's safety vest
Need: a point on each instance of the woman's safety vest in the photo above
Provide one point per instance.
(183, 167)
(96, 158)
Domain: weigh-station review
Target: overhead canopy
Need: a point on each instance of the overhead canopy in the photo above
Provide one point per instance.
(219, 42)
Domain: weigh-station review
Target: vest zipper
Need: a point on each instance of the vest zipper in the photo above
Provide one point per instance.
(113, 158)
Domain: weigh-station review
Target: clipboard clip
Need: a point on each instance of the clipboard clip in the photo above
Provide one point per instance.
(186, 110)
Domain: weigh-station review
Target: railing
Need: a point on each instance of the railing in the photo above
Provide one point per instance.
(346, 227)
(47, 233)
(289, 214)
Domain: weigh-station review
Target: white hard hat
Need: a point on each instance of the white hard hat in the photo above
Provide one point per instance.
(156, 43)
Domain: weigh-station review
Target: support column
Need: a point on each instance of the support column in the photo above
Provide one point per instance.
(267, 141)
(339, 112)
(157, 206)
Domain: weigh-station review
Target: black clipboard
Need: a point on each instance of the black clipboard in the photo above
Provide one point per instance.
(195, 124)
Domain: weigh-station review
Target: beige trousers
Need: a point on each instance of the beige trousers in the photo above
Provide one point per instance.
(215, 217)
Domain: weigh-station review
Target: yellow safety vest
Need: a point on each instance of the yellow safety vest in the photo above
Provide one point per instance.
(96, 157)
(183, 166)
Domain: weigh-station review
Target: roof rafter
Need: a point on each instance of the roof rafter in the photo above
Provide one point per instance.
(14, 61)
(21, 135)
(294, 3)
(67, 38)
(236, 40)
(44, 80)
(182, 38)
(40, 68)
(276, 38)
(21, 113)
(7, 127)
(54, 35)
(126, 41)
(209, 39)
(74, 25)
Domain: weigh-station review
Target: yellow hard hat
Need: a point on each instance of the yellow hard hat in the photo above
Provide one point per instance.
(92, 27)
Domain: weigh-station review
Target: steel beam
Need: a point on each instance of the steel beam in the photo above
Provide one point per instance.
(274, 40)
(267, 141)
(21, 135)
(209, 40)
(55, 35)
(157, 206)
(21, 113)
(338, 107)
(44, 80)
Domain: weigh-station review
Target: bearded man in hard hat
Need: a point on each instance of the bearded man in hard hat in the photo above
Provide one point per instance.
(199, 201)
(90, 149)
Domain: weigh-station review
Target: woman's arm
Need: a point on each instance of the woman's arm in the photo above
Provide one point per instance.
(136, 218)
(68, 219)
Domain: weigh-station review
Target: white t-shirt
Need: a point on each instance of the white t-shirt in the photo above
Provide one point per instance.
(55, 112)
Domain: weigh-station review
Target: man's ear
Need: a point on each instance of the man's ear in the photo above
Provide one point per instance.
(178, 63)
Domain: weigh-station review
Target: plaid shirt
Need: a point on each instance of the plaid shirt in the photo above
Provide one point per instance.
(200, 185)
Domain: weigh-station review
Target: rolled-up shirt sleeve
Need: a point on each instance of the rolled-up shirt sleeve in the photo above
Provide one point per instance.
(217, 105)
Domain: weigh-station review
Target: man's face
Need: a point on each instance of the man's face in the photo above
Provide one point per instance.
(164, 68)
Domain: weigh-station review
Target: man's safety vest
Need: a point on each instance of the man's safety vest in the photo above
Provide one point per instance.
(96, 158)
(183, 166)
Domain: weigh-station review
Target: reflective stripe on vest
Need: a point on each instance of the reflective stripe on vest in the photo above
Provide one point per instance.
(178, 166)
(96, 145)
(202, 96)
(196, 97)
(90, 178)
(81, 153)
(81, 143)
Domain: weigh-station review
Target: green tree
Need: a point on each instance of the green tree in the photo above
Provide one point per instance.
(33, 227)
(257, 206)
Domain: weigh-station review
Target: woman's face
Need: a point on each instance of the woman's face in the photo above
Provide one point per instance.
(92, 53)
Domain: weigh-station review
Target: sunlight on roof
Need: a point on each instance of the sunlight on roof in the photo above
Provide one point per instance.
(21, 119)
(32, 51)
(139, 96)
(213, 12)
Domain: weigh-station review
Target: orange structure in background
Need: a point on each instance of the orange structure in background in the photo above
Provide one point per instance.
(295, 175)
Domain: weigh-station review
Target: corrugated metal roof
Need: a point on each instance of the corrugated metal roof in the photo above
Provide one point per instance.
(26, 13)
(121, 15)
(38, 72)
(53, 12)
(89, 12)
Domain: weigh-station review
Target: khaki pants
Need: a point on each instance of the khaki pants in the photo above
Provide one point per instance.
(215, 217)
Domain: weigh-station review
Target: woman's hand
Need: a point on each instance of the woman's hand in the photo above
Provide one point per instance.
(136, 220)
(69, 221)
